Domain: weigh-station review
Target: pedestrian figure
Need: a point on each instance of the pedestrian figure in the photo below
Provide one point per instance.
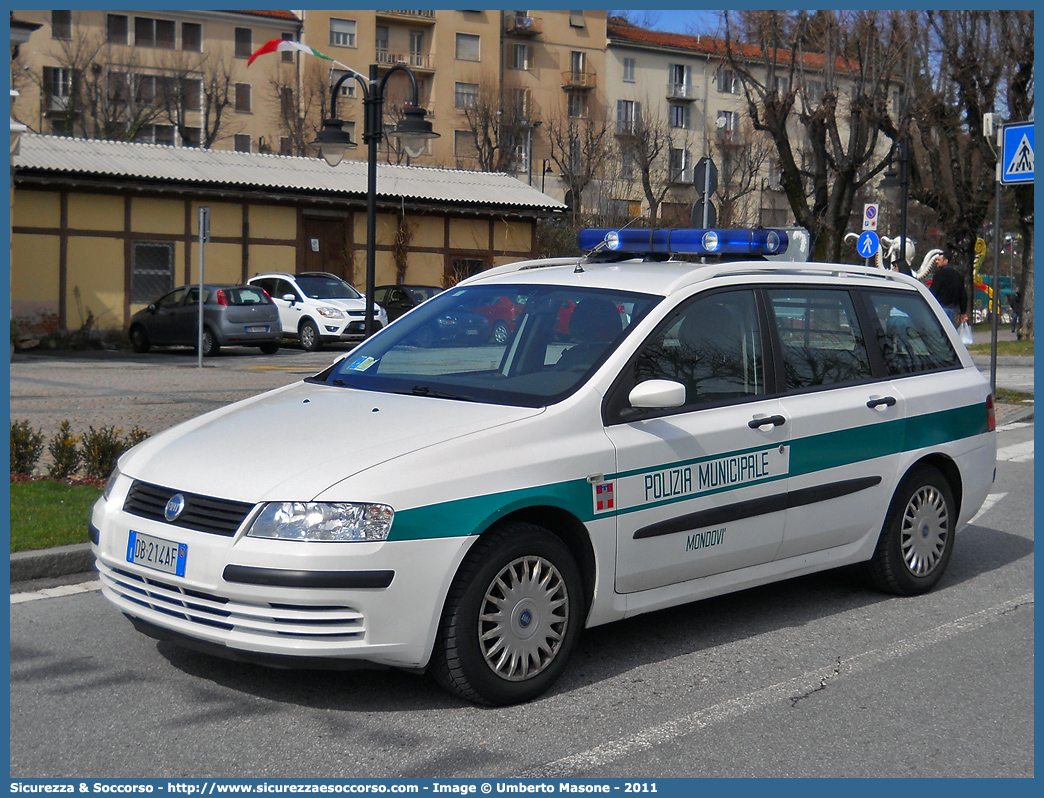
(1015, 300)
(948, 288)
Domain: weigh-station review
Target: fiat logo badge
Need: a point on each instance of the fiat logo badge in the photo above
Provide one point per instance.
(175, 506)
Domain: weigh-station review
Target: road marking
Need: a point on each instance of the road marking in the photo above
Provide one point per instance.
(987, 505)
(56, 592)
(1017, 452)
(595, 758)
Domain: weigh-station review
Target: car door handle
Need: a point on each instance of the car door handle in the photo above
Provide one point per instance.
(877, 401)
(760, 421)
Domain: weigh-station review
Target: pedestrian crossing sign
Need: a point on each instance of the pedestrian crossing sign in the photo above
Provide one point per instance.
(1017, 157)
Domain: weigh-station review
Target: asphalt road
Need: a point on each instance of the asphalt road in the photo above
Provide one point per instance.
(818, 676)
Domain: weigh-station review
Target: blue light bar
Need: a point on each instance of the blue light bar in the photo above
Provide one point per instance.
(685, 241)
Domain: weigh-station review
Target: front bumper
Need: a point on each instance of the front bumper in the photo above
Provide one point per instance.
(352, 330)
(377, 603)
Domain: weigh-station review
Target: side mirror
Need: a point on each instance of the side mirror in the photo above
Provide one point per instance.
(657, 394)
(289, 298)
(152, 307)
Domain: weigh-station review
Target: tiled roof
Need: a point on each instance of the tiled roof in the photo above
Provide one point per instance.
(289, 16)
(618, 29)
(201, 168)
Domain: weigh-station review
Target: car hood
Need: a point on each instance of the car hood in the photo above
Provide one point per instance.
(343, 304)
(295, 442)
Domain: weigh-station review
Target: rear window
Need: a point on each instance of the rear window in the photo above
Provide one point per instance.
(911, 335)
(247, 295)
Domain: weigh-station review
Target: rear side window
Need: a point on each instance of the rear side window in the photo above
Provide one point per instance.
(911, 337)
(822, 342)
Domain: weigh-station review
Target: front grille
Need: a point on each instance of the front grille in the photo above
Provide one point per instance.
(202, 513)
(320, 623)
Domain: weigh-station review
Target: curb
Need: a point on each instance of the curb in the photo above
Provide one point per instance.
(1024, 361)
(45, 563)
(77, 558)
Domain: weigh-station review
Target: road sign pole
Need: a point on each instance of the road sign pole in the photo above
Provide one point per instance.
(994, 320)
(204, 236)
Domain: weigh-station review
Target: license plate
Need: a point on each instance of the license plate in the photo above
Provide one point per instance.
(471, 332)
(162, 555)
(257, 329)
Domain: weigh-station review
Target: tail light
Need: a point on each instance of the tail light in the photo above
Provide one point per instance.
(222, 297)
(991, 414)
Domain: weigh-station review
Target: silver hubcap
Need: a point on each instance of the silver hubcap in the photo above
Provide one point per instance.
(926, 527)
(308, 336)
(500, 333)
(523, 618)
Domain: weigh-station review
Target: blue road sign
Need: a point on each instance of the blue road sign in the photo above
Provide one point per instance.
(1017, 157)
(868, 244)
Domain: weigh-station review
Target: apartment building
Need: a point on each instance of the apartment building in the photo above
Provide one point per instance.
(161, 77)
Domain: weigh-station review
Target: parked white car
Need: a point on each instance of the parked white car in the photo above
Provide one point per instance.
(651, 432)
(318, 307)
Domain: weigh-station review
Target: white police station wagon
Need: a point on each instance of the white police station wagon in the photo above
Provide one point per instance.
(652, 432)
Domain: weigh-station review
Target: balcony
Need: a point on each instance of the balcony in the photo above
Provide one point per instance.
(578, 79)
(419, 62)
(684, 92)
(521, 25)
(423, 17)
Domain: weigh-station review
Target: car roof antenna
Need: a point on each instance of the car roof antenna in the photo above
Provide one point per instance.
(601, 244)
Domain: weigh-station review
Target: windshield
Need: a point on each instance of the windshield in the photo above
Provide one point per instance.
(519, 345)
(327, 288)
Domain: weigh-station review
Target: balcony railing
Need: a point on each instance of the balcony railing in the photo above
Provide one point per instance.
(414, 16)
(578, 79)
(386, 58)
(521, 25)
(681, 91)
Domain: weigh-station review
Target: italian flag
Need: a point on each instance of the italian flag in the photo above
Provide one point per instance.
(283, 46)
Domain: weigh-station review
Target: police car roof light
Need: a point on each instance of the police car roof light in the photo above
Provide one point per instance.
(685, 241)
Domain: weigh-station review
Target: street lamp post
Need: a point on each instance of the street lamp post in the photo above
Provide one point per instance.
(530, 127)
(413, 131)
(903, 181)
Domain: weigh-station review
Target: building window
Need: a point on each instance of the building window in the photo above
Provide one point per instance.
(626, 164)
(348, 87)
(192, 37)
(116, 29)
(61, 24)
(466, 267)
(576, 19)
(726, 122)
(244, 42)
(285, 148)
(58, 87)
(679, 80)
(577, 105)
(680, 116)
(152, 270)
(782, 86)
(465, 95)
(163, 134)
(191, 94)
(728, 83)
(342, 33)
(464, 144)
(150, 32)
(417, 48)
(680, 166)
(627, 115)
(576, 156)
(628, 70)
(519, 56)
(467, 47)
(242, 142)
(243, 98)
(191, 137)
(815, 91)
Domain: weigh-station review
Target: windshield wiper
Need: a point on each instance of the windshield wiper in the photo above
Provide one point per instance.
(424, 390)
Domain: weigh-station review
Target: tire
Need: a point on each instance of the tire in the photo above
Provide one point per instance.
(501, 332)
(210, 343)
(139, 339)
(270, 348)
(918, 535)
(309, 335)
(531, 576)
(425, 338)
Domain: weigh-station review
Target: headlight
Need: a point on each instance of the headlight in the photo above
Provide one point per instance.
(338, 522)
(111, 483)
(330, 313)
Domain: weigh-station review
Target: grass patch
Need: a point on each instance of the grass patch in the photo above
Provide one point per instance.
(1004, 348)
(1010, 397)
(45, 513)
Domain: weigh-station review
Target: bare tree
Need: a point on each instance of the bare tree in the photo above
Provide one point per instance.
(301, 103)
(840, 100)
(498, 121)
(741, 164)
(580, 148)
(198, 88)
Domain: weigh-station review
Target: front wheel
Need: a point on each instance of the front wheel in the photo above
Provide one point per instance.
(511, 619)
(918, 535)
(501, 332)
(309, 333)
(139, 340)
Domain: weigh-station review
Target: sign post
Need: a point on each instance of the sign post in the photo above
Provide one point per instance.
(204, 237)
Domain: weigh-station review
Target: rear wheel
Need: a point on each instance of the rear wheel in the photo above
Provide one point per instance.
(918, 535)
(210, 344)
(512, 617)
(270, 348)
(139, 339)
(309, 334)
